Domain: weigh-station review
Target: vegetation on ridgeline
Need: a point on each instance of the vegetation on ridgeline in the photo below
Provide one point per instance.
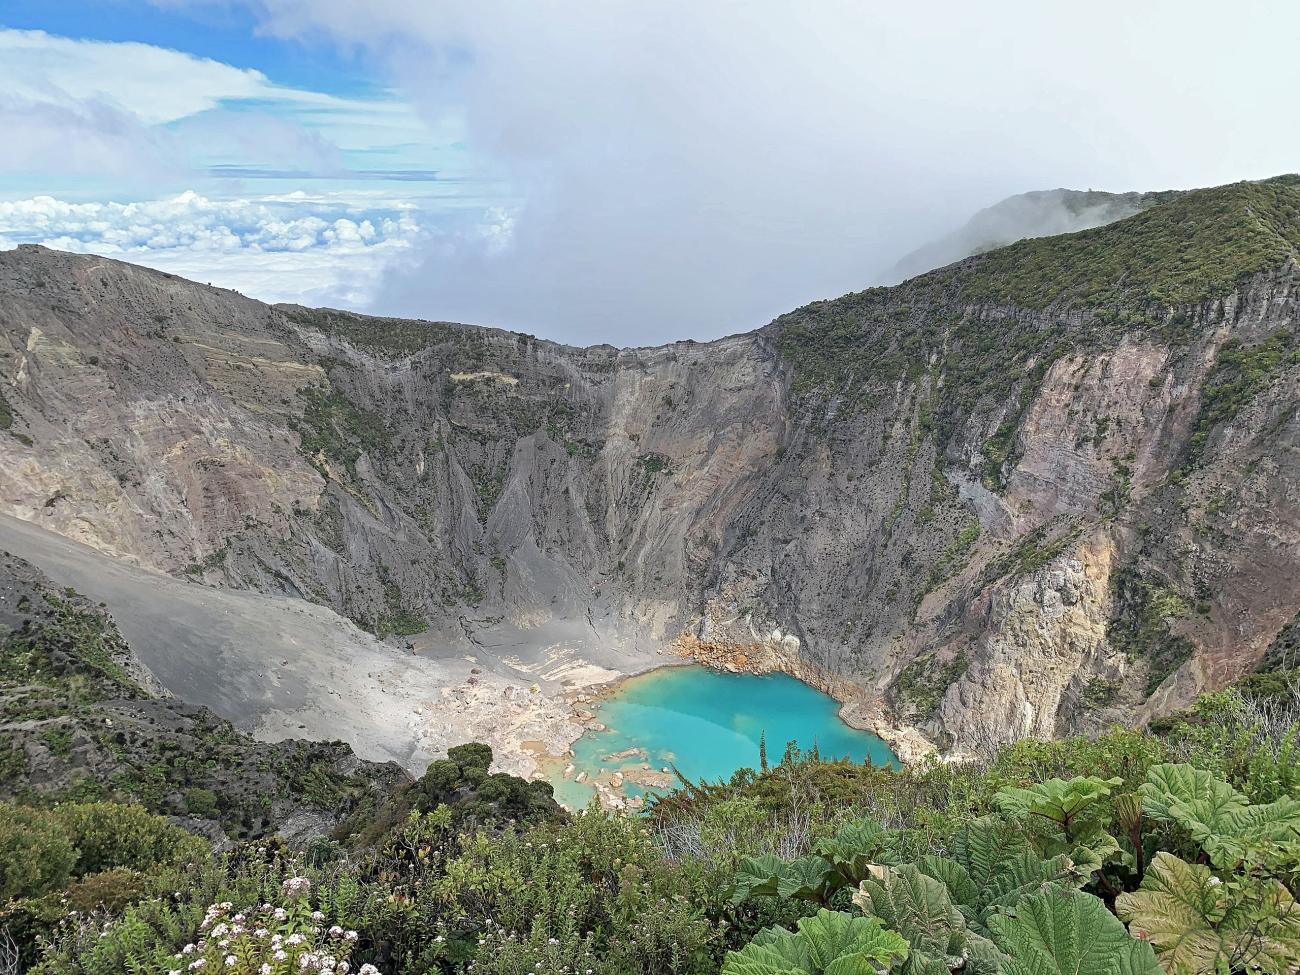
(990, 327)
(392, 336)
(78, 725)
(1193, 247)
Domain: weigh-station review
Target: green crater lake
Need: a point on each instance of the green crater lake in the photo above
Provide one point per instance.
(708, 724)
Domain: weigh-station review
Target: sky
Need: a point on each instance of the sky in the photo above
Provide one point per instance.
(621, 171)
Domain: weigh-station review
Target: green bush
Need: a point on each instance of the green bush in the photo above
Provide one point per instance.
(36, 854)
(200, 801)
(107, 835)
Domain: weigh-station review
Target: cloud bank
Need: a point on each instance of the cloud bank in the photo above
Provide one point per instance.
(691, 169)
(288, 248)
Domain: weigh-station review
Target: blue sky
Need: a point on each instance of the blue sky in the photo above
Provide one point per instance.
(615, 171)
(223, 33)
(188, 139)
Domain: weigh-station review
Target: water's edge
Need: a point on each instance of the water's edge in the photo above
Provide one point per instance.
(708, 722)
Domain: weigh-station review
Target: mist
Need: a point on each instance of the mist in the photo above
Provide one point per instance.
(688, 169)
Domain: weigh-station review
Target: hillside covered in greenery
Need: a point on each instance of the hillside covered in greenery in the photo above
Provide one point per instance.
(1151, 270)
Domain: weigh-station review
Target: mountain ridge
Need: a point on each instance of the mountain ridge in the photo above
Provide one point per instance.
(934, 493)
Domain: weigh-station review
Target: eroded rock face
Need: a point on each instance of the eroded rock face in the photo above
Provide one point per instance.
(459, 488)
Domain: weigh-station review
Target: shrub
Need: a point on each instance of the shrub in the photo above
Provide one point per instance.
(108, 835)
(36, 854)
(266, 940)
(200, 802)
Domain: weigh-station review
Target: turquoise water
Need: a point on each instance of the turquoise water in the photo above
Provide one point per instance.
(708, 724)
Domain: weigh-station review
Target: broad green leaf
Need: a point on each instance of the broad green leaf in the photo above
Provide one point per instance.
(829, 943)
(855, 847)
(769, 876)
(1199, 923)
(835, 936)
(805, 879)
(774, 951)
(1024, 875)
(993, 867)
(1183, 794)
(950, 873)
(916, 906)
(983, 845)
(1270, 822)
(1064, 816)
(1215, 814)
(1060, 801)
(758, 960)
(920, 908)
(1059, 933)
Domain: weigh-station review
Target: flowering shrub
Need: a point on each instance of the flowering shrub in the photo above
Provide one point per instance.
(270, 940)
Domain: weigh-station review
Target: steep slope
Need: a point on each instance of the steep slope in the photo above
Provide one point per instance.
(85, 719)
(1050, 485)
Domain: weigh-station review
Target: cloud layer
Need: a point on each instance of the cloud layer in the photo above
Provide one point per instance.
(658, 170)
(694, 168)
(288, 248)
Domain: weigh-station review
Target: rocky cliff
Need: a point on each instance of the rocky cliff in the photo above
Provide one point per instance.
(1049, 486)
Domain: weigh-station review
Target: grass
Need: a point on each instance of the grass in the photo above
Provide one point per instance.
(1033, 551)
(397, 619)
(1194, 247)
(923, 682)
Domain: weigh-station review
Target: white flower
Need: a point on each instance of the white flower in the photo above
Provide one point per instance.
(196, 964)
(350, 936)
(317, 916)
(336, 932)
(231, 961)
(187, 950)
(266, 968)
(367, 969)
(280, 954)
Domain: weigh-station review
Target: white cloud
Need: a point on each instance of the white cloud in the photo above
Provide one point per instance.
(328, 252)
(139, 113)
(152, 83)
(692, 168)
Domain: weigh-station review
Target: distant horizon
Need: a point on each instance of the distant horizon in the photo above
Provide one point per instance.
(619, 173)
(952, 239)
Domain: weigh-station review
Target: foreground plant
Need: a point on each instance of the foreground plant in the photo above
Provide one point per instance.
(269, 940)
(829, 943)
